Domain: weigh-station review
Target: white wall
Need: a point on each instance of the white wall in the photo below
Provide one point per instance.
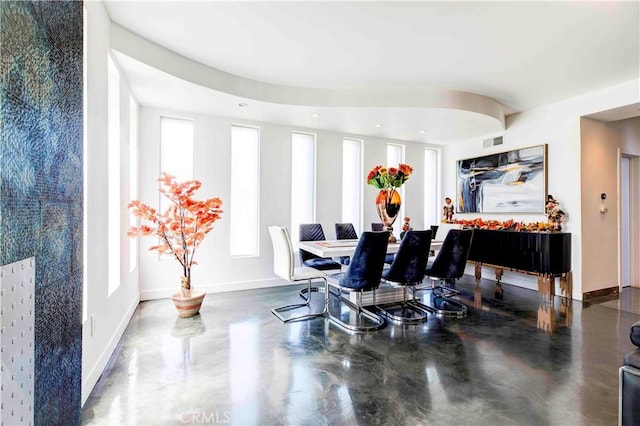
(558, 126)
(216, 270)
(111, 314)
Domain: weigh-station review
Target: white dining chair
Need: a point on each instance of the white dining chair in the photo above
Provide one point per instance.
(284, 267)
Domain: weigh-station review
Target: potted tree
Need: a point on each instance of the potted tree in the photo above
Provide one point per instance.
(180, 230)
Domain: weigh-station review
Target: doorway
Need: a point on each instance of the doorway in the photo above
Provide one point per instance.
(625, 225)
(629, 220)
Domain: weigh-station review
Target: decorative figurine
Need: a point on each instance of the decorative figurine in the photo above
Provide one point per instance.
(555, 214)
(405, 227)
(447, 211)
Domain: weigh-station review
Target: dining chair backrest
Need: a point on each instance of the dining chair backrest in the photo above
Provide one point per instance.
(310, 232)
(377, 226)
(283, 260)
(410, 262)
(345, 231)
(367, 262)
(451, 260)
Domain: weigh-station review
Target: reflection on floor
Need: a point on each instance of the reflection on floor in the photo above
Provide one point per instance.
(522, 360)
(628, 300)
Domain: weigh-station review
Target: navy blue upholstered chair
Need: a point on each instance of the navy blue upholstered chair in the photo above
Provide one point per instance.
(629, 382)
(345, 231)
(363, 275)
(377, 227)
(314, 232)
(448, 266)
(283, 266)
(407, 271)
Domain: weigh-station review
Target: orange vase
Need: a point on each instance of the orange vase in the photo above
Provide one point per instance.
(388, 205)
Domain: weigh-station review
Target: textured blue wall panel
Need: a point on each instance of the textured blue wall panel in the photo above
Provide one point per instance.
(41, 189)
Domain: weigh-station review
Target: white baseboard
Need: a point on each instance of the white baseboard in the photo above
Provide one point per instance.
(96, 371)
(217, 288)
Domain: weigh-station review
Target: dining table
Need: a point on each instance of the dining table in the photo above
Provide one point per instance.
(386, 293)
(337, 248)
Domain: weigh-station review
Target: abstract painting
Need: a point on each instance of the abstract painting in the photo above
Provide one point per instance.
(507, 182)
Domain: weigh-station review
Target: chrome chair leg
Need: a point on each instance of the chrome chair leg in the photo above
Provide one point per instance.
(277, 311)
(404, 305)
(304, 291)
(441, 304)
(378, 322)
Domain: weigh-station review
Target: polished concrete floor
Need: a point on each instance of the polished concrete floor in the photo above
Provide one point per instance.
(522, 360)
(627, 300)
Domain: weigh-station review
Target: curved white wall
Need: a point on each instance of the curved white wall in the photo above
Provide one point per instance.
(110, 313)
(217, 270)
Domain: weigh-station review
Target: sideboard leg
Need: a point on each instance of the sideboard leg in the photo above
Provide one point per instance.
(498, 292)
(478, 272)
(546, 285)
(566, 284)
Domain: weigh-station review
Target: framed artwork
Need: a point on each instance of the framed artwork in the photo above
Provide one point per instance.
(507, 182)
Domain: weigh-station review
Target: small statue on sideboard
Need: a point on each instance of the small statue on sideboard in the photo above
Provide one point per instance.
(405, 227)
(555, 214)
(447, 211)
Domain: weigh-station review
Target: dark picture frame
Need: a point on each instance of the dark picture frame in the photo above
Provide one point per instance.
(507, 182)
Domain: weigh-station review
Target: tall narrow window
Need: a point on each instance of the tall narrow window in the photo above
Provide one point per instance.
(303, 181)
(352, 182)
(133, 177)
(431, 188)
(395, 156)
(176, 151)
(113, 170)
(245, 190)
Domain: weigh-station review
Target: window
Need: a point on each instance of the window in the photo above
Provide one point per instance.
(431, 188)
(352, 182)
(176, 151)
(245, 190)
(303, 181)
(113, 171)
(395, 156)
(133, 177)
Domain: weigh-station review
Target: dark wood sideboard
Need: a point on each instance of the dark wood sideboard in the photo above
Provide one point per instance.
(545, 254)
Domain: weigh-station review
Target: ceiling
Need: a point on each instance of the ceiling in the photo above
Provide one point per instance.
(432, 72)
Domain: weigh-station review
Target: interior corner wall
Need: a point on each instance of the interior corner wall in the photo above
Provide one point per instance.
(599, 175)
(625, 135)
(41, 194)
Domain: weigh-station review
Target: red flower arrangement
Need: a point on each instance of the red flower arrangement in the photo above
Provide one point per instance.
(182, 227)
(392, 177)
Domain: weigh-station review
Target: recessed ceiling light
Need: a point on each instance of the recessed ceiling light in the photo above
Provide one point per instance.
(378, 125)
(243, 104)
(315, 115)
(423, 132)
